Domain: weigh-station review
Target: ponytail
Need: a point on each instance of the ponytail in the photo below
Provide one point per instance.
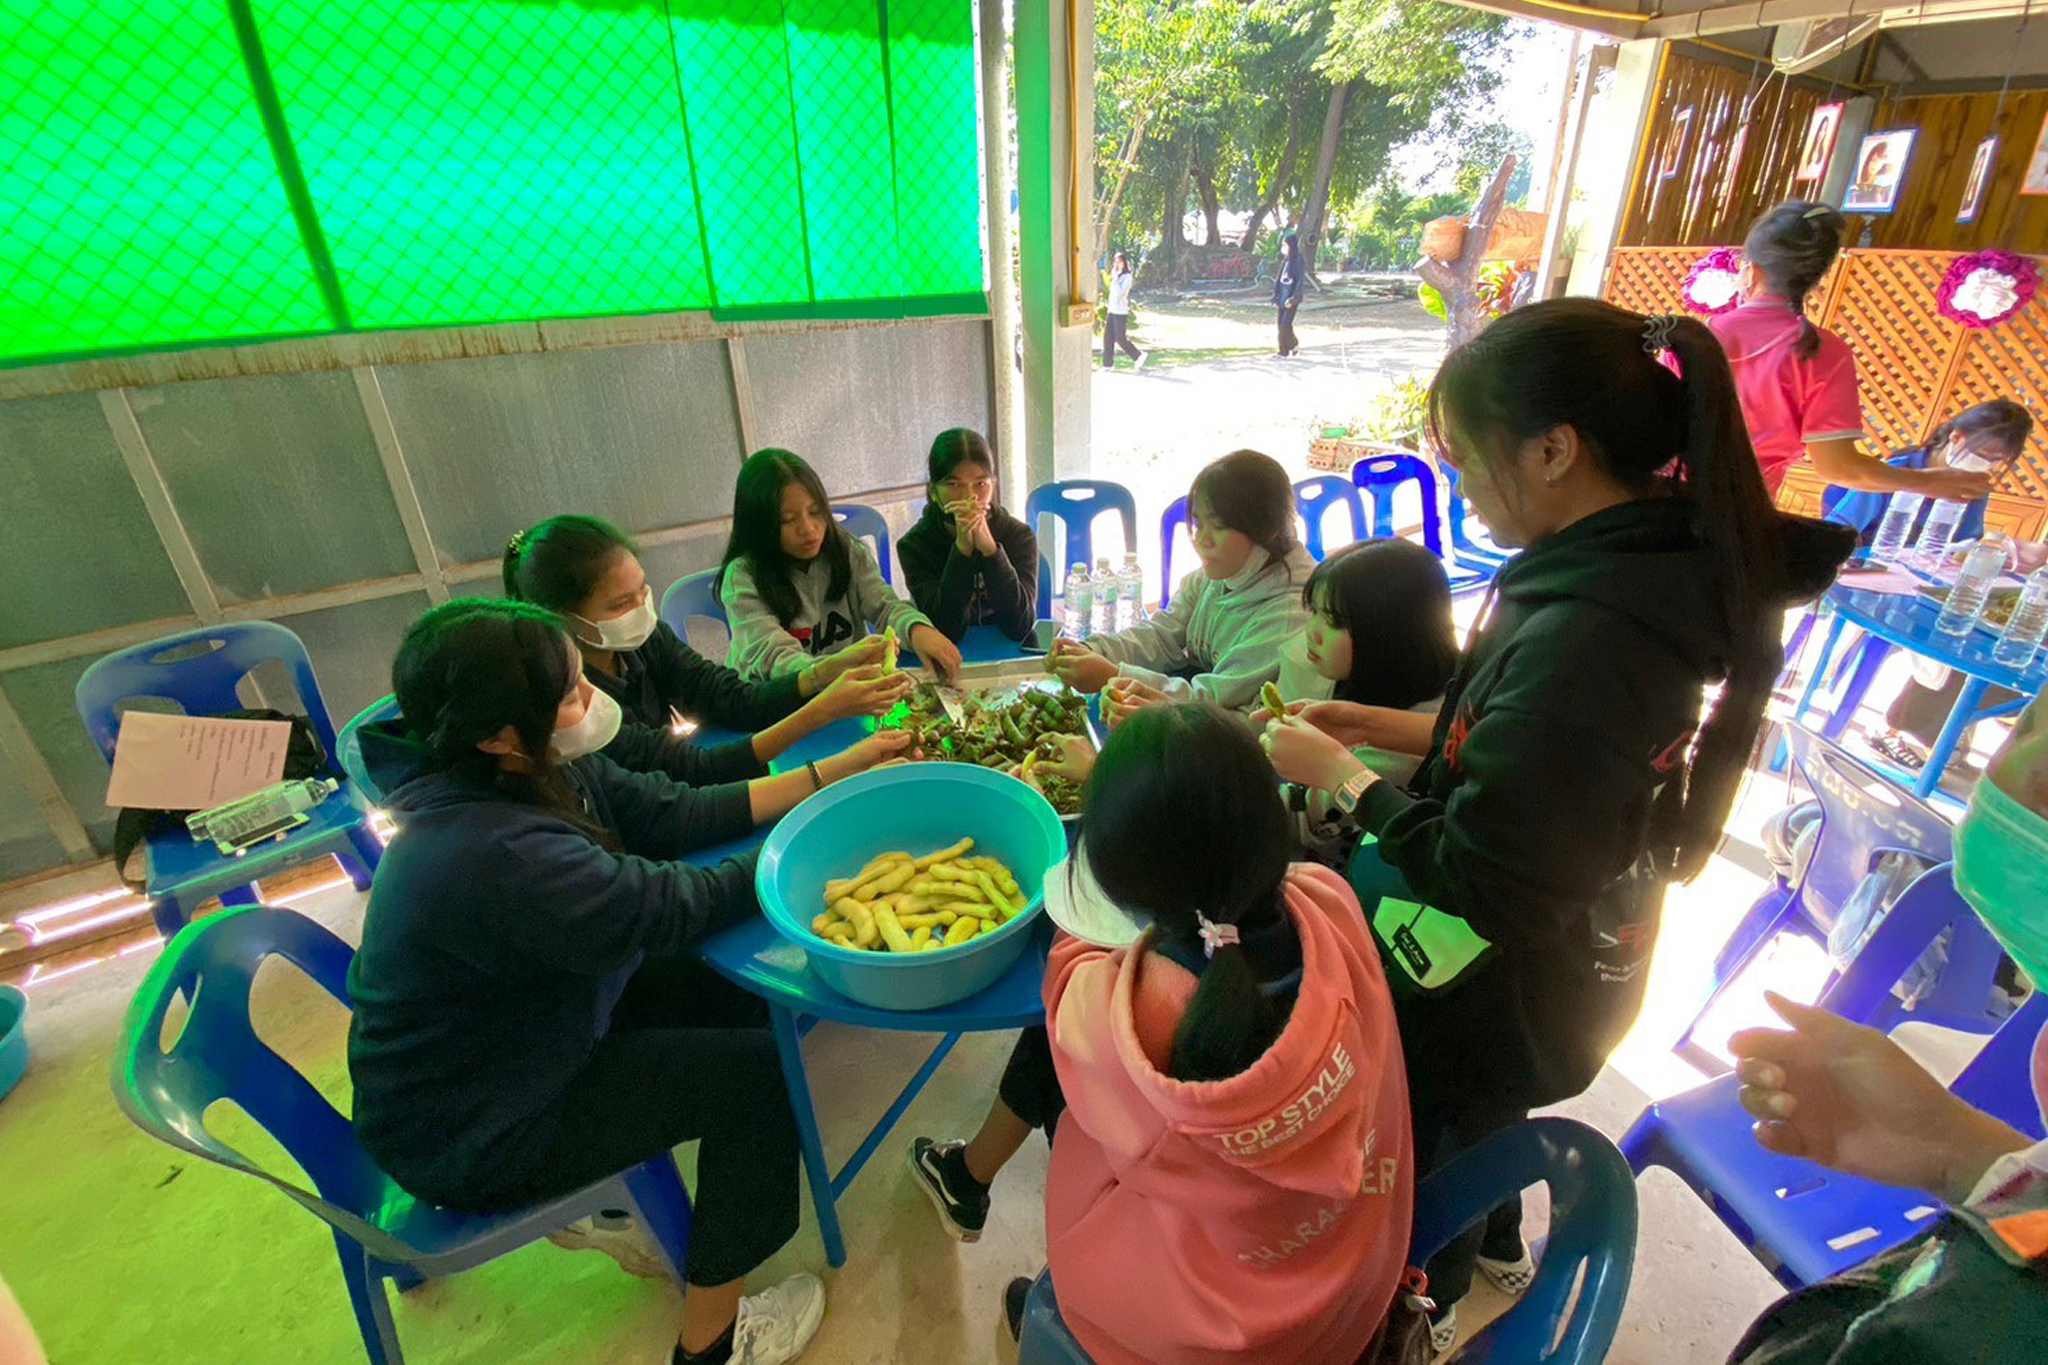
(558, 563)
(1229, 1023)
(1182, 821)
(1792, 246)
(1734, 518)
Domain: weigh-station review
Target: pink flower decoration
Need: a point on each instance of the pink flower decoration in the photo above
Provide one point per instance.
(1985, 288)
(1713, 285)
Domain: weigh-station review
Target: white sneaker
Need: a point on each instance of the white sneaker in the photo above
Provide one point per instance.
(1143, 356)
(776, 1324)
(1510, 1277)
(619, 1236)
(1443, 1330)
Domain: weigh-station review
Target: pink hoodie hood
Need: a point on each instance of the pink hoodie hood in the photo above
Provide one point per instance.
(1263, 1217)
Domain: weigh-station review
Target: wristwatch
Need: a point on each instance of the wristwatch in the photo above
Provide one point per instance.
(1348, 796)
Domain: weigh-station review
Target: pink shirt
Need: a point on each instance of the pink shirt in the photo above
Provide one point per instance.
(1788, 399)
(1263, 1218)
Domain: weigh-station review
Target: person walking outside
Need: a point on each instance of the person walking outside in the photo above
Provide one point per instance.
(1287, 291)
(1116, 323)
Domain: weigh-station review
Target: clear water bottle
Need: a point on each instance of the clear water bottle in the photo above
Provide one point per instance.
(1102, 619)
(1130, 594)
(1931, 549)
(1966, 599)
(1896, 526)
(1075, 617)
(2023, 633)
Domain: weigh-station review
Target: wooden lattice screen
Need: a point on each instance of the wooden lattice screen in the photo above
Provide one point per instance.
(1917, 367)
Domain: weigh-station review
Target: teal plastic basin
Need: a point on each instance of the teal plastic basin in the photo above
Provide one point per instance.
(916, 808)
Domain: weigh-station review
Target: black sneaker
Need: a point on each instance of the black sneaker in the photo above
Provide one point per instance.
(1015, 1294)
(962, 1201)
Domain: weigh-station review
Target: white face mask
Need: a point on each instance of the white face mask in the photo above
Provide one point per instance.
(623, 634)
(599, 726)
(1970, 462)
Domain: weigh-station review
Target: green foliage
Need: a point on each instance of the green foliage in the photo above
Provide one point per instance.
(1481, 153)
(1398, 415)
(1433, 302)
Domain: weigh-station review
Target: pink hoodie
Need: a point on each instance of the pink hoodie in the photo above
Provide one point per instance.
(1260, 1218)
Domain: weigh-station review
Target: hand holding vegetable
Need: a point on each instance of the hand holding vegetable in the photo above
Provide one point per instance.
(878, 748)
(1305, 755)
(1125, 697)
(863, 692)
(860, 654)
(1079, 667)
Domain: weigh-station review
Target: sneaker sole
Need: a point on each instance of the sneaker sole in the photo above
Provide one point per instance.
(633, 1260)
(938, 1203)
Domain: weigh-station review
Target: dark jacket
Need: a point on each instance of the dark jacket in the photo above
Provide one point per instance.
(958, 591)
(665, 675)
(1961, 1295)
(1290, 282)
(1540, 816)
(498, 938)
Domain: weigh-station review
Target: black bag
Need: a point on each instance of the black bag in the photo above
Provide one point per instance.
(1403, 1335)
(303, 757)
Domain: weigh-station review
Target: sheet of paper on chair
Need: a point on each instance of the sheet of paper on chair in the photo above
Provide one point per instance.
(194, 762)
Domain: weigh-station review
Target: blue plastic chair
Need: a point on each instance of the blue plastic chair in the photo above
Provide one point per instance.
(1175, 519)
(1558, 1321)
(1802, 1221)
(380, 1231)
(866, 523)
(1381, 476)
(1075, 504)
(348, 746)
(200, 671)
(694, 597)
(1862, 818)
(1316, 498)
(1480, 562)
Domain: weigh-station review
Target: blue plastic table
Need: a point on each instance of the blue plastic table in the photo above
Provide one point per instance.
(758, 960)
(1890, 621)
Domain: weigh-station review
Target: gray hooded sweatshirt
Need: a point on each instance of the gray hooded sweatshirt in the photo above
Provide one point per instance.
(763, 647)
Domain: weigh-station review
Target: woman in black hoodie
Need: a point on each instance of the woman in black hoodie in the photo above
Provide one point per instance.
(530, 1012)
(967, 561)
(1514, 884)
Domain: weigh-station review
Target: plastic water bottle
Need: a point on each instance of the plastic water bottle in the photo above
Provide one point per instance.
(1932, 548)
(2029, 623)
(1078, 599)
(1102, 620)
(1130, 594)
(1897, 524)
(1966, 599)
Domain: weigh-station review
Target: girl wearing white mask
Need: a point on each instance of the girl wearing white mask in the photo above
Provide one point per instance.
(530, 1012)
(589, 573)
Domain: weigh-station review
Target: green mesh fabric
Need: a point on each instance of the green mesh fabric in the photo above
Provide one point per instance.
(462, 161)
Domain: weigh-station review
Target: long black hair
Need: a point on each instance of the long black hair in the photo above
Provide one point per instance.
(1586, 365)
(468, 669)
(559, 562)
(954, 447)
(757, 531)
(1394, 599)
(1249, 492)
(1792, 246)
(1182, 817)
(1999, 422)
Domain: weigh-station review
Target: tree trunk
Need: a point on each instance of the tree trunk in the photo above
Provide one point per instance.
(1171, 236)
(1125, 165)
(1458, 281)
(1318, 205)
(1204, 177)
(1281, 177)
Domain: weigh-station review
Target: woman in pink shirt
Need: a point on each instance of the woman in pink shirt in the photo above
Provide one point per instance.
(1232, 1180)
(1797, 381)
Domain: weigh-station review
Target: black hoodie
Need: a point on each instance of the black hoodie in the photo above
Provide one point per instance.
(665, 675)
(498, 938)
(958, 591)
(1535, 818)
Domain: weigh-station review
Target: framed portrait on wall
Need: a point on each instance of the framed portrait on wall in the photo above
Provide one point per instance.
(1674, 147)
(1880, 171)
(1980, 177)
(2035, 181)
(1819, 146)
